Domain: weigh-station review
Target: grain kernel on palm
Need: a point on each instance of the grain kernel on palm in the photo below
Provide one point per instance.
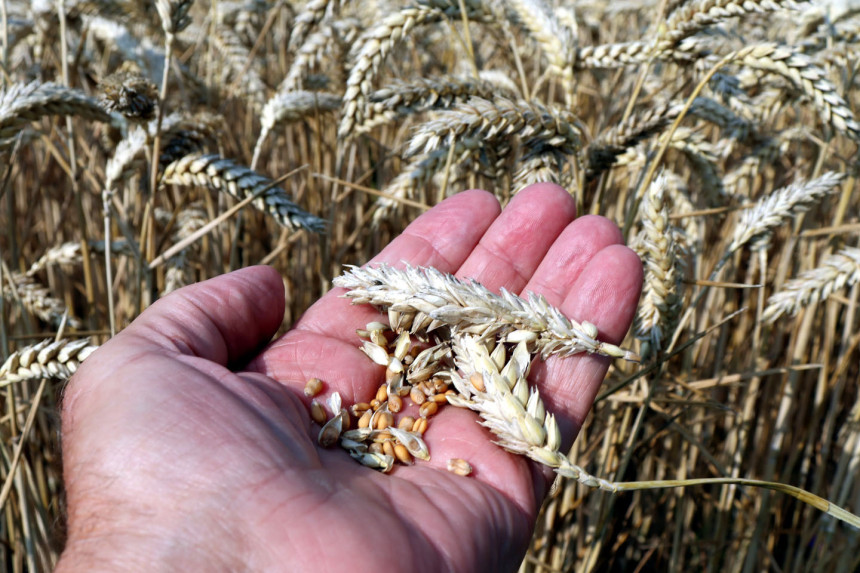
(375, 404)
(385, 420)
(318, 414)
(395, 403)
(402, 454)
(420, 425)
(360, 408)
(427, 409)
(388, 448)
(313, 387)
(459, 466)
(439, 398)
(382, 393)
(364, 421)
(406, 423)
(417, 396)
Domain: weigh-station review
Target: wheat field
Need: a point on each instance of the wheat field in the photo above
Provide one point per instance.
(149, 145)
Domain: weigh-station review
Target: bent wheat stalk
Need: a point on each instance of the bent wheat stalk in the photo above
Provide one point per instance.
(494, 385)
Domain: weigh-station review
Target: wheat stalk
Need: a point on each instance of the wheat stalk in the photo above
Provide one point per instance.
(223, 174)
(837, 271)
(46, 359)
(421, 298)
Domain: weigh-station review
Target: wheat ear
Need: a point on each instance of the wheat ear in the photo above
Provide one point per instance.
(47, 359)
(423, 298)
(38, 300)
(222, 174)
(22, 103)
(839, 270)
(495, 386)
(759, 221)
(375, 45)
(811, 79)
(535, 124)
(661, 303)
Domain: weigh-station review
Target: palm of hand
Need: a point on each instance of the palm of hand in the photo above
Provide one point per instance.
(228, 463)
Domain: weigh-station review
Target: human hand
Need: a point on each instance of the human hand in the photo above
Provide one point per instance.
(188, 446)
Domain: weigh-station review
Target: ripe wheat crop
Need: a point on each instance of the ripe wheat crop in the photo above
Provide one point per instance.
(145, 146)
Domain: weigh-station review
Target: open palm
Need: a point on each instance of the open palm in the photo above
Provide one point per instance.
(188, 446)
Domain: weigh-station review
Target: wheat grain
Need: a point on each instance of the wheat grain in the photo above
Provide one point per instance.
(223, 174)
(423, 298)
(839, 270)
(47, 359)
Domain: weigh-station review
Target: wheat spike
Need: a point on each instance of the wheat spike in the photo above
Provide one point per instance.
(374, 45)
(506, 405)
(21, 104)
(759, 221)
(420, 94)
(423, 298)
(38, 300)
(535, 124)
(223, 174)
(839, 270)
(692, 17)
(292, 106)
(811, 79)
(556, 40)
(47, 359)
(661, 303)
(312, 14)
(65, 254)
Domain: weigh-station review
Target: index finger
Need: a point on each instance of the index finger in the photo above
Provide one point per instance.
(323, 343)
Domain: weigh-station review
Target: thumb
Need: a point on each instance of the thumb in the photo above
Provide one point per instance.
(222, 319)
